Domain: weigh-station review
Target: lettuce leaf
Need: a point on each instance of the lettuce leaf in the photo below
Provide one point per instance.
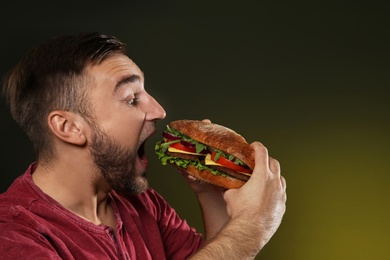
(165, 159)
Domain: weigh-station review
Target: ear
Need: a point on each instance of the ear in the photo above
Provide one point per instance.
(67, 126)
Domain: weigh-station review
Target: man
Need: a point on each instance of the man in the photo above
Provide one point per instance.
(83, 104)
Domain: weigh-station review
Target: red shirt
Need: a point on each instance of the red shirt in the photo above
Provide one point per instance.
(34, 226)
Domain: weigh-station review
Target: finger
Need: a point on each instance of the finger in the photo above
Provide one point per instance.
(206, 120)
(274, 166)
(261, 155)
(284, 183)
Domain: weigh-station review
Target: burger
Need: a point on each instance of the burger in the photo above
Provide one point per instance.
(209, 152)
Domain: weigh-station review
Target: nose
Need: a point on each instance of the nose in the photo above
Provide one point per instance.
(155, 111)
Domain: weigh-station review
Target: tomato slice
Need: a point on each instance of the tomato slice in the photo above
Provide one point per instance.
(179, 146)
(229, 164)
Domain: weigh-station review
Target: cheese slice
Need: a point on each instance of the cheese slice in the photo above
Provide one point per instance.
(174, 150)
(209, 161)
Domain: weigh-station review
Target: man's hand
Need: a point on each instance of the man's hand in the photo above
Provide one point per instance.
(262, 200)
(254, 211)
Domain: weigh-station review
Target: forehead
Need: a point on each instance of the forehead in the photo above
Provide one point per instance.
(113, 69)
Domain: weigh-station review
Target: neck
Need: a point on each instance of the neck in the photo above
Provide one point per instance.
(77, 188)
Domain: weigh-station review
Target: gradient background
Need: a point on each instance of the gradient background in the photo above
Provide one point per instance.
(309, 79)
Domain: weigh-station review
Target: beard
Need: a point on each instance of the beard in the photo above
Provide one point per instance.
(116, 164)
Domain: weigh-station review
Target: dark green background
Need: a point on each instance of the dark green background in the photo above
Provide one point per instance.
(309, 79)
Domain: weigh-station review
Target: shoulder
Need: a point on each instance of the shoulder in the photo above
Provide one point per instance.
(17, 234)
(21, 189)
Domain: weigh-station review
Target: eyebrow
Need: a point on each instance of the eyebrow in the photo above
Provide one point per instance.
(126, 80)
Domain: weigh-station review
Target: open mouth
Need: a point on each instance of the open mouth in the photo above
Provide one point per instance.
(141, 152)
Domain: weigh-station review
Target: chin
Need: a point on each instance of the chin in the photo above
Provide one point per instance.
(133, 187)
(142, 185)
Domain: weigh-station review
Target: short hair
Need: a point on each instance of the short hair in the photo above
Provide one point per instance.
(50, 77)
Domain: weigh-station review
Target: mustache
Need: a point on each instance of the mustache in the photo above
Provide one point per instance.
(149, 129)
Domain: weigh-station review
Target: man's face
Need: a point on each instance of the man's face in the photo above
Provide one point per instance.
(124, 117)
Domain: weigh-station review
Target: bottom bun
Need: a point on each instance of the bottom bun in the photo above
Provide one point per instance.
(214, 179)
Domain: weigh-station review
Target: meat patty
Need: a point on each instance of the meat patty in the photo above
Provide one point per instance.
(231, 172)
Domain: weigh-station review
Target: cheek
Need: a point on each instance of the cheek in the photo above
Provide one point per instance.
(125, 129)
(122, 123)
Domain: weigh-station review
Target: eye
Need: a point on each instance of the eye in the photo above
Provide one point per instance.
(132, 102)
